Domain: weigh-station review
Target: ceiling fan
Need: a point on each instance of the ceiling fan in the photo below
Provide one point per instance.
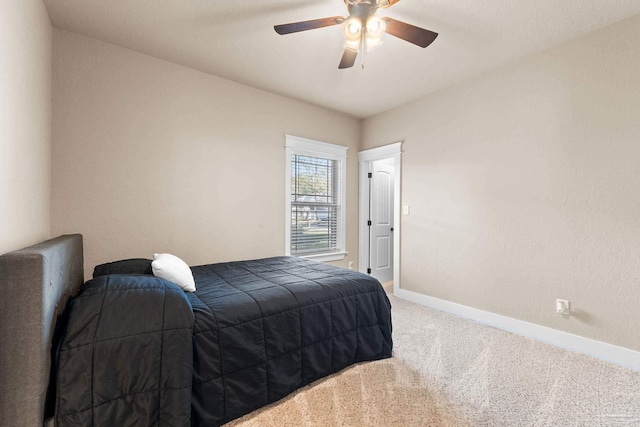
(363, 29)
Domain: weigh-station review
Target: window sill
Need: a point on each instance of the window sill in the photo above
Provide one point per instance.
(333, 256)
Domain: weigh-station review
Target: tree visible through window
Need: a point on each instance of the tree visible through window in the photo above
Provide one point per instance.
(315, 195)
(315, 198)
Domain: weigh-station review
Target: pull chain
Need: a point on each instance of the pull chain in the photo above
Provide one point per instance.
(363, 50)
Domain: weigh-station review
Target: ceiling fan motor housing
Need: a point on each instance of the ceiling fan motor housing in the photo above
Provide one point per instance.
(361, 8)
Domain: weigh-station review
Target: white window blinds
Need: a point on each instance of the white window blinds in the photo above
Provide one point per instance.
(315, 205)
(315, 199)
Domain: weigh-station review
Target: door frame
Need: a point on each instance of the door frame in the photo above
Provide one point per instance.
(365, 158)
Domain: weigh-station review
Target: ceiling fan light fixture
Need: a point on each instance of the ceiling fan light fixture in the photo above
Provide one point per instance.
(352, 34)
(352, 28)
(372, 43)
(375, 28)
(353, 46)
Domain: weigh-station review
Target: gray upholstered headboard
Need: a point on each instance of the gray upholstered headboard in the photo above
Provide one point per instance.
(35, 285)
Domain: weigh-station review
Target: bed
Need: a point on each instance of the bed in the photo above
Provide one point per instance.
(138, 350)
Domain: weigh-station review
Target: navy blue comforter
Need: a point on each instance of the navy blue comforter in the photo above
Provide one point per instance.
(259, 330)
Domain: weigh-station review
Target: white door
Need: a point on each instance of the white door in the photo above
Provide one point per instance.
(381, 216)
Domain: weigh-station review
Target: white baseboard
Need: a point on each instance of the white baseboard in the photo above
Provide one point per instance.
(598, 349)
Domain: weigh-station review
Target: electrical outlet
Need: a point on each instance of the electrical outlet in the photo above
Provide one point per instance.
(350, 265)
(562, 307)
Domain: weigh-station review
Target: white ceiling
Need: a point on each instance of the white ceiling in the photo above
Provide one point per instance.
(234, 39)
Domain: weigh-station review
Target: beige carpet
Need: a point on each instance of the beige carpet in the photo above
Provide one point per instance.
(448, 371)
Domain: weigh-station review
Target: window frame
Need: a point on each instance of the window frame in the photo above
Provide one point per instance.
(308, 147)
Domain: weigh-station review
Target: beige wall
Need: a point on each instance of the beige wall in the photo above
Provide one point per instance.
(25, 123)
(149, 156)
(524, 187)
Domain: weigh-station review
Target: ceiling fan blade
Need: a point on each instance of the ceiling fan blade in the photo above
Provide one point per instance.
(348, 59)
(412, 34)
(384, 4)
(296, 27)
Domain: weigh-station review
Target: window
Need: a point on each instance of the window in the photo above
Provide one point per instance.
(315, 195)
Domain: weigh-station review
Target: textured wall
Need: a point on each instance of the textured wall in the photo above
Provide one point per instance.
(524, 187)
(25, 123)
(150, 156)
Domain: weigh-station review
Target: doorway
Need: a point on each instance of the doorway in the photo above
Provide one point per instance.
(379, 206)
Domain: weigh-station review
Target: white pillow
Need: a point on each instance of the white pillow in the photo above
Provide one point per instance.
(170, 267)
